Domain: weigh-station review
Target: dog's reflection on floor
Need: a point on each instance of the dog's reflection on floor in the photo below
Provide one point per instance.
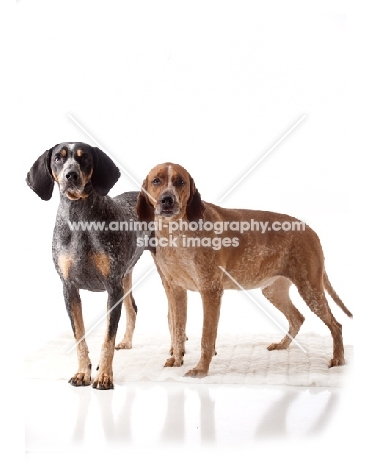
(200, 414)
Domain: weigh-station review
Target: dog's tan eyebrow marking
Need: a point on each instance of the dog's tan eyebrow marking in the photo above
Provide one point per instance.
(79, 152)
(63, 152)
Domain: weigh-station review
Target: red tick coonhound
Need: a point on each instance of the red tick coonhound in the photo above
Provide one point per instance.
(192, 256)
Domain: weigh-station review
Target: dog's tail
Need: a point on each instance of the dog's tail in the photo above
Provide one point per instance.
(334, 295)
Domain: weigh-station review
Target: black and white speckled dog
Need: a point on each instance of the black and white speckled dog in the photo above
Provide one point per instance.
(95, 260)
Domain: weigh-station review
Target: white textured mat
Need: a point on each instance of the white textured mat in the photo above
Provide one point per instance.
(241, 359)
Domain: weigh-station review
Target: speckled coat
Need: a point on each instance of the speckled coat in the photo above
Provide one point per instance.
(268, 259)
(96, 257)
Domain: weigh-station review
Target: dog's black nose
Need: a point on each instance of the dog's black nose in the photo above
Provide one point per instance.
(167, 201)
(71, 176)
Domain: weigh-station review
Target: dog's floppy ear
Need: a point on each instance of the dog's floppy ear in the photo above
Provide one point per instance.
(39, 178)
(144, 208)
(105, 172)
(194, 207)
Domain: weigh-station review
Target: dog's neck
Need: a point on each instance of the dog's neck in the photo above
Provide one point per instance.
(74, 209)
(163, 225)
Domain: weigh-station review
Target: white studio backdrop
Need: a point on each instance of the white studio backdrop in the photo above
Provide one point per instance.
(210, 86)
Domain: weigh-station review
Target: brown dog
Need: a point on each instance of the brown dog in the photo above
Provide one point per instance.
(255, 249)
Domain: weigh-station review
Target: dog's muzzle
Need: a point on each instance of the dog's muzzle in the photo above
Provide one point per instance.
(71, 182)
(167, 204)
(71, 177)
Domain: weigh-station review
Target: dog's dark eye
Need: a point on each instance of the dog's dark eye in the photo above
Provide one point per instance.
(156, 181)
(179, 182)
(57, 158)
(85, 157)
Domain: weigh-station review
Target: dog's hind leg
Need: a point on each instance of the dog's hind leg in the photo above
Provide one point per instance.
(131, 311)
(312, 292)
(278, 294)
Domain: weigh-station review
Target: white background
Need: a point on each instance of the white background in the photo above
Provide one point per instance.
(209, 85)
(210, 88)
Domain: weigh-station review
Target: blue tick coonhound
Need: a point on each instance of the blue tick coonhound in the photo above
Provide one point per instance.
(95, 260)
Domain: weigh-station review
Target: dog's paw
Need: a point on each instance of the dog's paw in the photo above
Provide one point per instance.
(171, 348)
(172, 362)
(80, 379)
(280, 345)
(196, 373)
(336, 362)
(124, 344)
(103, 381)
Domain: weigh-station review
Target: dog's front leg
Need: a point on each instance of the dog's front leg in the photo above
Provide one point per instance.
(211, 299)
(104, 378)
(177, 314)
(74, 308)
